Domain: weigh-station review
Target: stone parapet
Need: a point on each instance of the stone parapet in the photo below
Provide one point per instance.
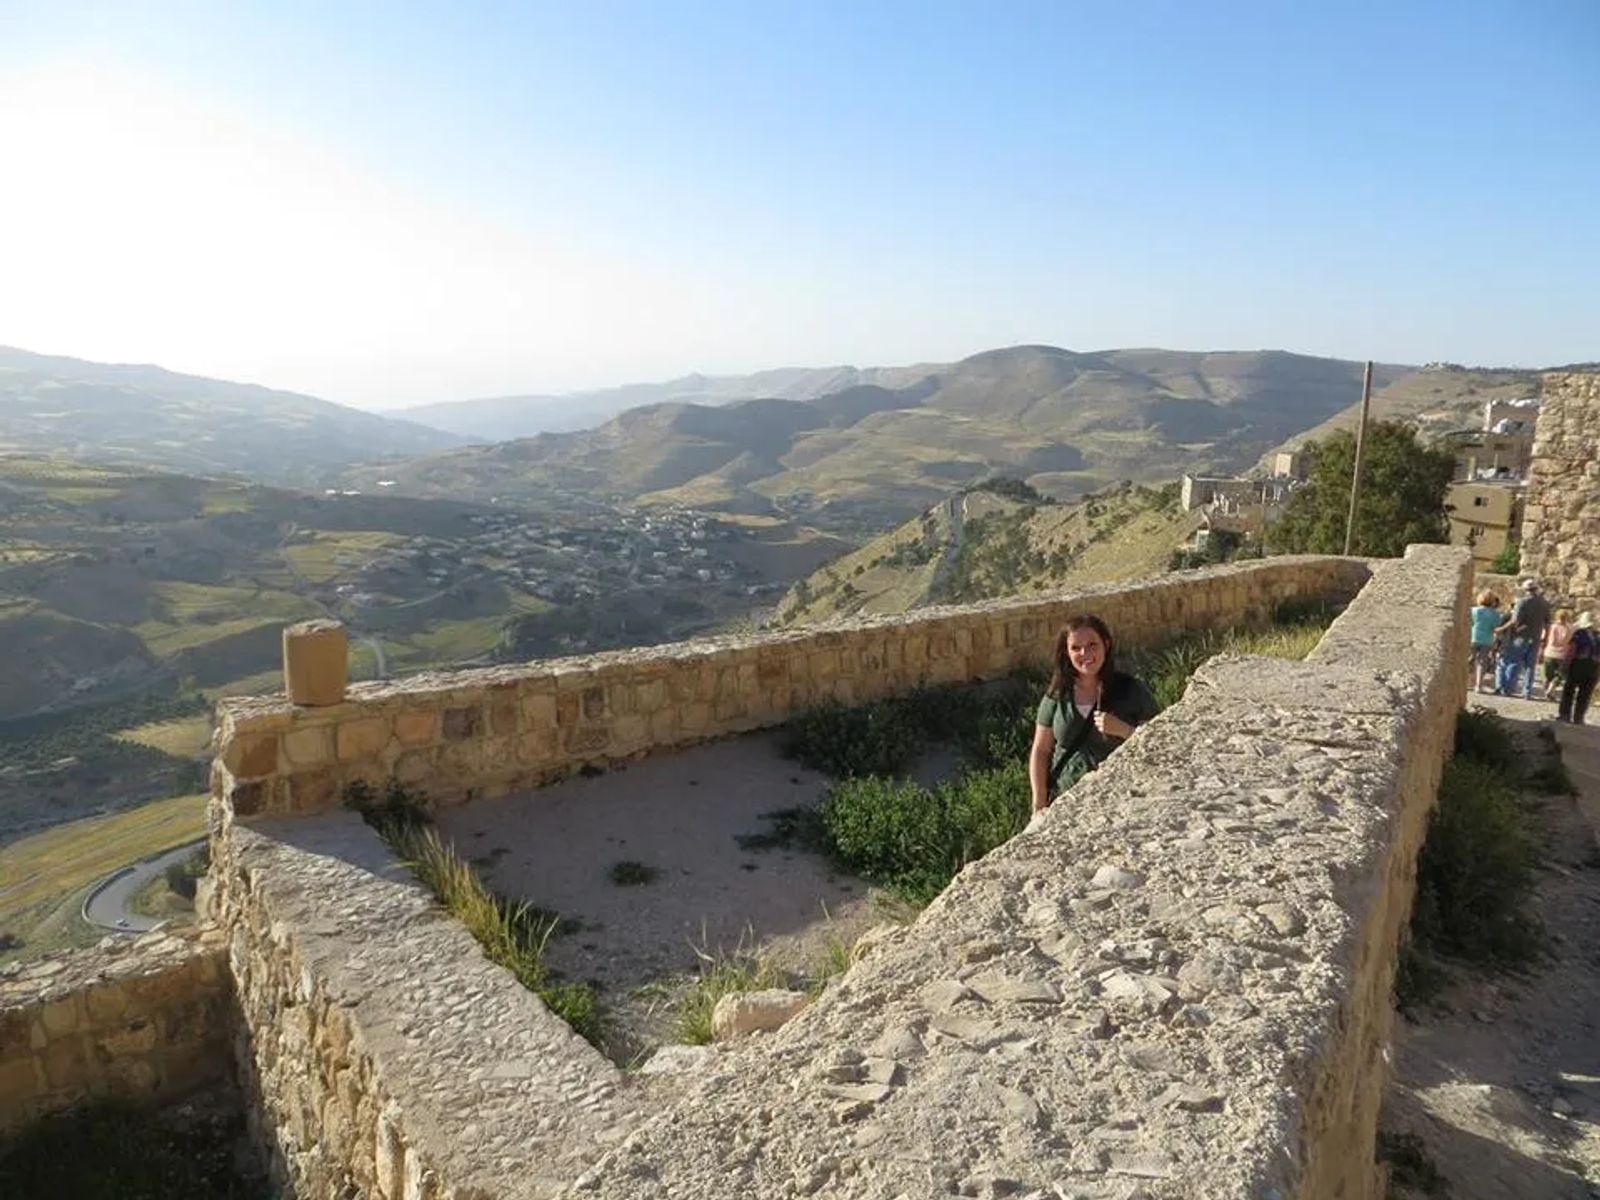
(383, 1055)
(1561, 529)
(453, 735)
(141, 1020)
(1177, 985)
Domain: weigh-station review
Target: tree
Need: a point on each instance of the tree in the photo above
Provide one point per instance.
(1402, 495)
(1508, 561)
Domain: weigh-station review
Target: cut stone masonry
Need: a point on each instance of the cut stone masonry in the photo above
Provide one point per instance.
(1175, 985)
(1561, 533)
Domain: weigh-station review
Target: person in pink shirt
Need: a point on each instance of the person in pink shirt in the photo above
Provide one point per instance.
(1557, 652)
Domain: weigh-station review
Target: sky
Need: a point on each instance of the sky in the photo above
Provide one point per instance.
(387, 204)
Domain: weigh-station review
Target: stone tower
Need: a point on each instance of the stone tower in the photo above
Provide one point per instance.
(1561, 534)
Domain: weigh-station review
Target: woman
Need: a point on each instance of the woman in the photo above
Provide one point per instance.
(1485, 617)
(1582, 668)
(1089, 710)
(1557, 650)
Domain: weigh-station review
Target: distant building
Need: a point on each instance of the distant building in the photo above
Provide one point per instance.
(1485, 516)
(1491, 455)
(1510, 416)
(1222, 491)
(1289, 464)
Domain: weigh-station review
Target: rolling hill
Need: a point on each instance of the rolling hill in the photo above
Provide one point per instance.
(979, 545)
(872, 454)
(143, 416)
(503, 418)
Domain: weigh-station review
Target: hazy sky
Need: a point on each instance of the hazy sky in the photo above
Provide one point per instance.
(394, 203)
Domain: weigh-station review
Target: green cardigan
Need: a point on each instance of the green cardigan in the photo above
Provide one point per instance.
(1122, 696)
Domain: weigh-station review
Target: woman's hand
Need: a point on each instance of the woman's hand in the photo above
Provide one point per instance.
(1112, 725)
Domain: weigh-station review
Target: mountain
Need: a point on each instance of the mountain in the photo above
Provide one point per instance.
(869, 455)
(983, 544)
(148, 417)
(503, 418)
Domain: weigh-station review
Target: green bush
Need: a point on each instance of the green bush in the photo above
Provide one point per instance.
(1475, 871)
(870, 739)
(1484, 738)
(513, 934)
(1508, 561)
(911, 840)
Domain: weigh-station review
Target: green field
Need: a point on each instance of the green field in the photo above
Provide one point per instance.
(42, 877)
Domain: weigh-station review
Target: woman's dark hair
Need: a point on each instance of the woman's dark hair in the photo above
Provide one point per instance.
(1063, 675)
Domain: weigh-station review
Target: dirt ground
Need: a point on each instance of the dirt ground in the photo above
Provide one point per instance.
(680, 817)
(1501, 1080)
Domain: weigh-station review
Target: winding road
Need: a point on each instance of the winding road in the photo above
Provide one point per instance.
(107, 902)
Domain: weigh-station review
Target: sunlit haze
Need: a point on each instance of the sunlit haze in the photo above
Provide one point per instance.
(386, 208)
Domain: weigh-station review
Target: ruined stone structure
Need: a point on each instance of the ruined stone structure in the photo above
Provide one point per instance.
(1561, 533)
(1176, 985)
(144, 1020)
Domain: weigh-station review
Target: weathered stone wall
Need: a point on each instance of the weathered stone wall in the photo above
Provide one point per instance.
(1561, 533)
(142, 1020)
(383, 1055)
(1176, 985)
(486, 732)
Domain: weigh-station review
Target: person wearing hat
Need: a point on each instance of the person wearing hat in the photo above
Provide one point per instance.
(1523, 631)
(1582, 669)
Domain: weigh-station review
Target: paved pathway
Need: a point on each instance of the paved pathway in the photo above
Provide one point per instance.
(107, 904)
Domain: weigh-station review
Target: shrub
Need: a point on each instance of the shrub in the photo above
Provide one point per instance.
(395, 811)
(1484, 738)
(1475, 871)
(183, 876)
(720, 975)
(911, 840)
(870, 739)
(1508, 561)
(512, 934)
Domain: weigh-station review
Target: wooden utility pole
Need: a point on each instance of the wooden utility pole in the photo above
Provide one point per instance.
(1361, 439)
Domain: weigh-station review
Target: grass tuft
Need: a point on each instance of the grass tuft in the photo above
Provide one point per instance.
(512, 934)
(721, 974)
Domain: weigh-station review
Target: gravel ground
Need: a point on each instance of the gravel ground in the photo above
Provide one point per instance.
(1501, 1080)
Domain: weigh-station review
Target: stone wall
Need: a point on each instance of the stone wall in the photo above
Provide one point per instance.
(141, 1020)
(1176, 985)
(384, 1056)
(485, 732)
(1561, 533)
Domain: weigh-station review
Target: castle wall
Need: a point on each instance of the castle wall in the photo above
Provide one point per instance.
(458, 734)
(143, 1020)
(1561, 531)
(1178, 982)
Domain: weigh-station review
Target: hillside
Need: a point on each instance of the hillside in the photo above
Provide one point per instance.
(503, 418)
(143, 416)
(1437, 399)
(979, 545)
(870, 455)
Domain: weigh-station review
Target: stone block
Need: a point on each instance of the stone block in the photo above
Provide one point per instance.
(65, 1063)
(503, 717)
(133, 1038)
(417, 727)
(105, 1004)
(315, 655)
(749, 1012)
(413, 767)
(462, 723)
(21, 1082)
(539, 710)
(650, 696)
(593, 704)
(309, 746)
(364, 737)
(62, 1017)
(314, 791)
(252, 755)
